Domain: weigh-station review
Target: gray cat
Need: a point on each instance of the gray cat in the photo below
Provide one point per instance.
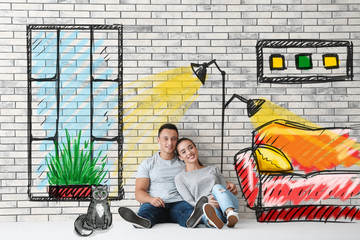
(98, 214)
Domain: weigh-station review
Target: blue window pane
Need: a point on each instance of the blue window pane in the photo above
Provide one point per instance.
(43, 109)
(43, 54)
(105, 117)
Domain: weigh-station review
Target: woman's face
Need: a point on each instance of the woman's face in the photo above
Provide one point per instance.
(187, 152)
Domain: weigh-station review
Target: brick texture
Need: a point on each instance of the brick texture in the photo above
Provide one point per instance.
(162, 35)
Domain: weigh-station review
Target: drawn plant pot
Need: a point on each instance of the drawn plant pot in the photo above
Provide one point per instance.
(72, 170)
(70, 192)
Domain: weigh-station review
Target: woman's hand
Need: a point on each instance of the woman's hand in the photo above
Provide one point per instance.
(213, 202)
(157, 202)
(232, 188)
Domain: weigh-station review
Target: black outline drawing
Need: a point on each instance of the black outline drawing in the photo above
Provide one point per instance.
(119, 79)
(256, 183)
(303, 43)
(252, 181)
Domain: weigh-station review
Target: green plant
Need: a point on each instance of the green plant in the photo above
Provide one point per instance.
(74, 166)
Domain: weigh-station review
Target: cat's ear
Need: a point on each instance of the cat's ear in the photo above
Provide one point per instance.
(93, 187)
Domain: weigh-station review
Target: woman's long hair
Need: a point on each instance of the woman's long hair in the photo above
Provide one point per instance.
(186, 139)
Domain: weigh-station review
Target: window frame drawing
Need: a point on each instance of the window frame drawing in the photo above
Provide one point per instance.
(118, 81)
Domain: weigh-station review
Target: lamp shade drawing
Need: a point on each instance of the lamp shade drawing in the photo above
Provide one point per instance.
(253, 105)
(200, 70)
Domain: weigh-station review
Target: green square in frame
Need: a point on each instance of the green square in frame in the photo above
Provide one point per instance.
(303, 61)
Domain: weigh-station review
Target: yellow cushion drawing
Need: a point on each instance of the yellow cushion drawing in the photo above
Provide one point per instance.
(271, 159)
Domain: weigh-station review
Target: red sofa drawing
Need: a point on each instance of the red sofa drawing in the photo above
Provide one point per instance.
(295, 172)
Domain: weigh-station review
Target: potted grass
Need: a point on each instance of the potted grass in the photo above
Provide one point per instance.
(72, 170)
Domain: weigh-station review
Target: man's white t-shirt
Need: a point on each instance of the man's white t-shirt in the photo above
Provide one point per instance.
(162, 177)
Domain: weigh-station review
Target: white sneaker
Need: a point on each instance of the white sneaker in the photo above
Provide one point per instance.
(210, 213)
(232, 219)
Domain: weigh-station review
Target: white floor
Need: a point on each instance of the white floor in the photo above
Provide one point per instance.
(247, 229)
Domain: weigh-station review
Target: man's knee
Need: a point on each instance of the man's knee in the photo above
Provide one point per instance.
(154, 214)
(148, 211)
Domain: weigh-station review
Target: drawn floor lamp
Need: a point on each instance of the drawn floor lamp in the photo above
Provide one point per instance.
(253, 105)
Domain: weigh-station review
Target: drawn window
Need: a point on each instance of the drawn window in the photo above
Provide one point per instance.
(74, 111)
(303, 61)
(331, 61)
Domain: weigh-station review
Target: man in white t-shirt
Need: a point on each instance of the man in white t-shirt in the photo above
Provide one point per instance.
(155, 188)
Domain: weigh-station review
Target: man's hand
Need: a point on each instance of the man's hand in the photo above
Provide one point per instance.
(157, 202)
(232, 188)
(213, 202)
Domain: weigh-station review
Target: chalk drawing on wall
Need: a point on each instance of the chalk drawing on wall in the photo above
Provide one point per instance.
(118, 121)
(304, 61)
(75, 107)
(295, 170)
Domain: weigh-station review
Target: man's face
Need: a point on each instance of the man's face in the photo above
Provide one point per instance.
(167, 141)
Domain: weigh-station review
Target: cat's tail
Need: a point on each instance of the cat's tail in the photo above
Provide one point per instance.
(81, 228)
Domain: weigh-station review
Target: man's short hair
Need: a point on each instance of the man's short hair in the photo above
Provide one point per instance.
(168, 126)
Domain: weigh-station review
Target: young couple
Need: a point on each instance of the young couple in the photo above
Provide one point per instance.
(162, 195)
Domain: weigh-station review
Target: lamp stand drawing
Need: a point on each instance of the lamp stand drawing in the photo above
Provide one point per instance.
(253, 105)
(201, 75)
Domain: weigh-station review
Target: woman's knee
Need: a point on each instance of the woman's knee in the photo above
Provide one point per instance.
(218, 188)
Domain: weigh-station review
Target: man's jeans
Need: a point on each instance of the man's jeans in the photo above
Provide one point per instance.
(177, 212)
(225, 199)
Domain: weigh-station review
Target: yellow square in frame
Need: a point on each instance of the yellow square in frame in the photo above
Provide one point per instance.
(277, 62)
(331, 61)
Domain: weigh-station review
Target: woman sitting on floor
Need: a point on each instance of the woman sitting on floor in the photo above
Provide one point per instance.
(197, 181)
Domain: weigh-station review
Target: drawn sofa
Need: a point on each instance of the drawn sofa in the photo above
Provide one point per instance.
(294, 172)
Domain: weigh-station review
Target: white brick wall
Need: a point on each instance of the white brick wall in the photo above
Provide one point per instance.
(161, 35)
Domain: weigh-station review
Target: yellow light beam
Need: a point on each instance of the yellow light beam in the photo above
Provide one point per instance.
(149, 103)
